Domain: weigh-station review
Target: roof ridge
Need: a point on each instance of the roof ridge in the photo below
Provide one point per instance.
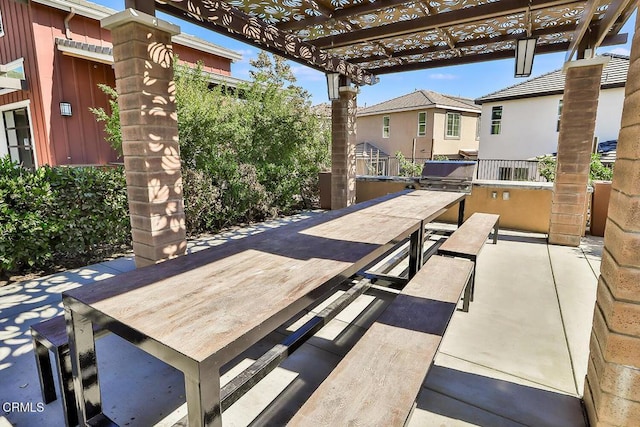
(389, 100)
(454, 97)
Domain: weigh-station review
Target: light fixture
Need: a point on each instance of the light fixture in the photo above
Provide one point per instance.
(333, 84)
(65, 109)
(525, 50)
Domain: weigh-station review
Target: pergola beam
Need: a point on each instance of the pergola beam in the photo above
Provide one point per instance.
(610, 40)
(222, 18)
(145, 6)
(348, 12)
(581, 28)
(468, 59)
(617, 13)
(469, 43)
(440, 20)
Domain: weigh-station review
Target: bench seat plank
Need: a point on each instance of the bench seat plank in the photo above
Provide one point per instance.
(469, 238)
(54, 330)
(377, 382)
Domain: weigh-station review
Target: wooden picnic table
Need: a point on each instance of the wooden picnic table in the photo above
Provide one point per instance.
(198, 311)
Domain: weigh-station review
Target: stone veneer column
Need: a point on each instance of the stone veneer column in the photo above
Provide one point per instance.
(612, 388)
(343, 149)
(143, 58)
(575, 144)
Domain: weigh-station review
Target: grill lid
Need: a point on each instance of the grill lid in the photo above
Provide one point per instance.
(447, 175)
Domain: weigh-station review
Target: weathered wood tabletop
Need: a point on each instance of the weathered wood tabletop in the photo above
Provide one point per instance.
(209, 306)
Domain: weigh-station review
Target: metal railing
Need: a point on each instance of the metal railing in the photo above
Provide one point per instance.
(487, 169)
(509, 170)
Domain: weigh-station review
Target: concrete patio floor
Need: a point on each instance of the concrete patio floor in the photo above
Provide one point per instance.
(519, 357)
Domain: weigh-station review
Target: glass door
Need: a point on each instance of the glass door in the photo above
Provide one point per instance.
(18, 132)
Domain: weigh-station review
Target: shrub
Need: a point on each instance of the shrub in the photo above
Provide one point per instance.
(59, 215)
(597, 170)
(250, 154)
(407, 167)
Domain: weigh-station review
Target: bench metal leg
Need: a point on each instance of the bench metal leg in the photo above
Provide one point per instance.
(65, 377)
(473, 278)
(467, 298)
(45, 374)
(495, 232)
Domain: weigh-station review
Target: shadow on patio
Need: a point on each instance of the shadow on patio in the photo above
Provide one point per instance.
(519, 356)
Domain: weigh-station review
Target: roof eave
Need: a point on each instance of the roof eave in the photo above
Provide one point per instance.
(418, 108)
(481, 101)
(98, 12)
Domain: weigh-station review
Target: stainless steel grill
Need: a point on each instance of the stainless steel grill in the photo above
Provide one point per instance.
(447, 175)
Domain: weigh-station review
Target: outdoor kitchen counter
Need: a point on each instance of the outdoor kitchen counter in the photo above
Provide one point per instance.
(199, 311)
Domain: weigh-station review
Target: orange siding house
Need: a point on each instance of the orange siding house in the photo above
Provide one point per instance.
(53, 54)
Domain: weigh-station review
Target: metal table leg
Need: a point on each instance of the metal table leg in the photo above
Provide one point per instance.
(84, 366)
(416, 245)
(461, 212)
(203, 396)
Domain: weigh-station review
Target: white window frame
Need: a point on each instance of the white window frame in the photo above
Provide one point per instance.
(3, 132)
(422, 125)
(448, 135)
(386, 128)
(1, 25)
(496, 123)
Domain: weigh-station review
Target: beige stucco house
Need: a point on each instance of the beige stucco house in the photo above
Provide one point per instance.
(421, 125)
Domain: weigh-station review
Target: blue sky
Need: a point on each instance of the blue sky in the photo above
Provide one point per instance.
(471, 81)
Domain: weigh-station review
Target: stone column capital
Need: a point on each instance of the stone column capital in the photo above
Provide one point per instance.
(132, 15)
(348, 89)
(597, 60)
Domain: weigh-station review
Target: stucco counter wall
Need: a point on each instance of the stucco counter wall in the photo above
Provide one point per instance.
(524, 206)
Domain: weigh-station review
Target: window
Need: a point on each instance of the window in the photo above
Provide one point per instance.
(1, 25)
(478, 128)
(559, 115)
(496, 120)
(385, 126)
(422, 124)
(453, 125)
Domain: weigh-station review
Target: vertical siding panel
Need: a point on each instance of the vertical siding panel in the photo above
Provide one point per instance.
(18, 42)
(30, 32)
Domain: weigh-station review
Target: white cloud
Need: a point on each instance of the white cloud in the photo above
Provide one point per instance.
(247, 54)
(442, 76)
(307, 74)
(620, 51)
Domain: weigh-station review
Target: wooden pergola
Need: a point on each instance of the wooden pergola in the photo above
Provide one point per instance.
(363, 39)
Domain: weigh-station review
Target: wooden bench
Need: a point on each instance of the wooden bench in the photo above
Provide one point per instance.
(467, 242)
(51, 335)
(377, 382)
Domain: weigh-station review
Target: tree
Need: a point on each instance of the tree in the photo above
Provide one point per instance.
(249, 153)
(111, 120)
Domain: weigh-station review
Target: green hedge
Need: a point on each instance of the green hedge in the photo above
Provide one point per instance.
(60, 215)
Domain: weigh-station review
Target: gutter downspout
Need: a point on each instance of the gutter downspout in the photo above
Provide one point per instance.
(67, 30)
